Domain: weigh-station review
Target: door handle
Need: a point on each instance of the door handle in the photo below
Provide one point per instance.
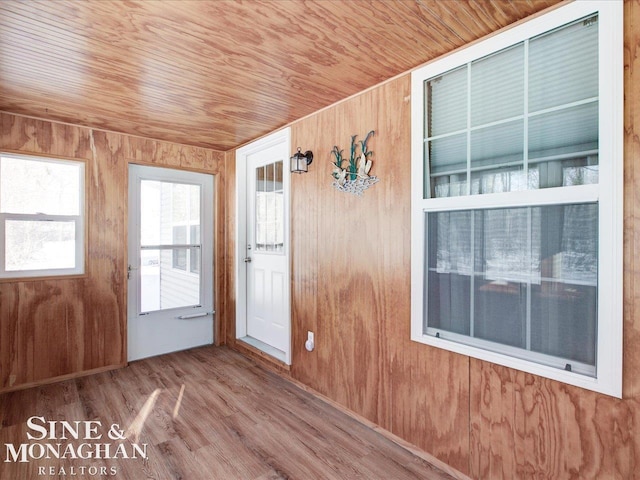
(129, 270)
(195, 315)
(247, 259)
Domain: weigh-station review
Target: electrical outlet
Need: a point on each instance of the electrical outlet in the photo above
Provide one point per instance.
(310, 343)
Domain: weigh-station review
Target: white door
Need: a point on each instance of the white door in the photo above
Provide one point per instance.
(170, 304)
(263, 250)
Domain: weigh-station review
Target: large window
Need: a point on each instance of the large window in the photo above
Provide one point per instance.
(41, 216)
(517, 211)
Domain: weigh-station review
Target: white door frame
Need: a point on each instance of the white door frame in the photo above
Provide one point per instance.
(280, 137)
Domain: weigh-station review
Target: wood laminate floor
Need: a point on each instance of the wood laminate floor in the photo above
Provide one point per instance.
(207, 413)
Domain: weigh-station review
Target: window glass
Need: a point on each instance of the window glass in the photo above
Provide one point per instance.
(450, 269)
(39, 186)
(495, 151)
(194, 205)
(164, 287)
(515, 119)
(563, 65)
(170, 245)
(37, 245)
(447, 103)
(525, 277)
(565, 135)
(180, 254)
(166, 205)
(269, 208)
(497, 86)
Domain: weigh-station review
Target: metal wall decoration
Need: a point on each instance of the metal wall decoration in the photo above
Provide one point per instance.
(354, 177)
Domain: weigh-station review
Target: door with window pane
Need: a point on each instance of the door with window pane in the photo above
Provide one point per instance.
(170, 260)
(266, 261)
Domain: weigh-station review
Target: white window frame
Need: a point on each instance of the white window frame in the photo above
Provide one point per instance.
(608, 193)
(79, 221)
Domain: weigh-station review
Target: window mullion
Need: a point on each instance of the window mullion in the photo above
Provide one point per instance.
(547, 196)
(3, 219)
(472, 242)
(41, 217)
(473, 277)
(525, 151)
(425, 133)
(525, 170)
(528, 296)
(469, 128)
(173, 246)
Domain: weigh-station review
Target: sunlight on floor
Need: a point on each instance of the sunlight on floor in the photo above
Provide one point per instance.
(176, 409)
(138, 423)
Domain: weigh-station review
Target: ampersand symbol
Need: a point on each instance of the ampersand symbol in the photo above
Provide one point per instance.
(115, 433)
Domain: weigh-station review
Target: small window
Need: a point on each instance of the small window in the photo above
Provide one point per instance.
(41, 216)
(269, 208)
(517, 207)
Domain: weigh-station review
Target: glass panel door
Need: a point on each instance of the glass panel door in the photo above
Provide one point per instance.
(170, 302)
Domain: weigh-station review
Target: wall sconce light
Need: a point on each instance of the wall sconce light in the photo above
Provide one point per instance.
(300, 161)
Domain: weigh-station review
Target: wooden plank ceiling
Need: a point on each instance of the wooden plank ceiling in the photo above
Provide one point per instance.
(218, 73)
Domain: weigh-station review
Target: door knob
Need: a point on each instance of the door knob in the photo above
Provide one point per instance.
(247, 259)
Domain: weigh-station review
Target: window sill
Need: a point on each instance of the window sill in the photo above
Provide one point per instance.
(44, 278)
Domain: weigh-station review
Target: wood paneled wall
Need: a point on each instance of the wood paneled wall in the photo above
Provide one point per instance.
(51, 329)
(351, 283)
(351, 286)
(351, 279)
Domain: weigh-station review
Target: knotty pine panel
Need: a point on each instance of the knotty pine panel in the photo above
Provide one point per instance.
(53, 328)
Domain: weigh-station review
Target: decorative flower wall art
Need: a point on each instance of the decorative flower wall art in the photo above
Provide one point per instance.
(354, 176)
